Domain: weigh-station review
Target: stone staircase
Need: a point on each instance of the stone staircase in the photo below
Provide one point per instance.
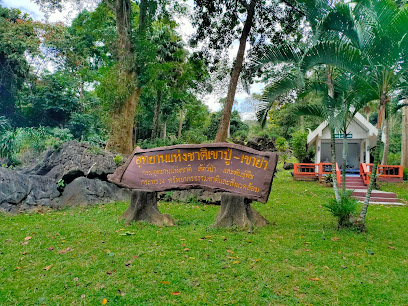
(377, 197)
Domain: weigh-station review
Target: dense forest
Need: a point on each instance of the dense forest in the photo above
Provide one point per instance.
(121, 75)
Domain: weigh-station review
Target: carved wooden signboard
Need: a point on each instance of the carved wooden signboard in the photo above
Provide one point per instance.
(219, 167)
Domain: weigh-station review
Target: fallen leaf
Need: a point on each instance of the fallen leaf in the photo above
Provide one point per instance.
(344, 267)
(334, 238)
(82, 296)
(131, 260)
(326, 267)
(229, 251)
(392, 247)
(51, 249)
(165, 282)
(104, 301)
(176, 293)
(183, 245)
(65, 251)
(48, 267)
(27, 238)
(257, 260)
(208, 237)
(18, 268)
(24, 253)
(25, 243)
(235, 262)
(127, 234)
(186, 249)
(314, 278)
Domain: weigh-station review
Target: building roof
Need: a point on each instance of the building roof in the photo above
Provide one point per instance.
(359, 119)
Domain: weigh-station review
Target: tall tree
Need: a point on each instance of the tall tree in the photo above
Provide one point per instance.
(220, 24)
(128, 68)
(18, 41)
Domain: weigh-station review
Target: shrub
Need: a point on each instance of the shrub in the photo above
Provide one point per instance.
(394, 158)
(344, 210)
(8, 144)
(405, 174)
(119, 159)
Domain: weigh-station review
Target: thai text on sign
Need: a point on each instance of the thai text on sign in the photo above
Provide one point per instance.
(219, 167)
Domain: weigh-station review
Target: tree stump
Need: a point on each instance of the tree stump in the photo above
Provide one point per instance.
(143, 207)
(237, 210)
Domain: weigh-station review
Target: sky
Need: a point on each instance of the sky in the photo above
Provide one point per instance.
(185, 29)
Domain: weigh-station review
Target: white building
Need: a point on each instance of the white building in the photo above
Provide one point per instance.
(361, 135)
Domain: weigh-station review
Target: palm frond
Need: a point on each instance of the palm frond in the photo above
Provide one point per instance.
(335, 53)
(290, 81)
(278, 54)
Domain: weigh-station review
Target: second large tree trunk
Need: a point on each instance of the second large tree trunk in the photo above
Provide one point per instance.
(236, 71)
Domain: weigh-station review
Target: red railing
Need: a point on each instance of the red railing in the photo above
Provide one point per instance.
(313, 171)
(304, 170)
(390, 173)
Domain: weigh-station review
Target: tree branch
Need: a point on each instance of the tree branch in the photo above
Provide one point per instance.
(244, 3)
(293, 7)
(110, 4)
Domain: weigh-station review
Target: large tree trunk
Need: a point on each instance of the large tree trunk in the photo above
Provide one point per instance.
(404, 136)
(155, 127)
(121, 134)
(232, 87)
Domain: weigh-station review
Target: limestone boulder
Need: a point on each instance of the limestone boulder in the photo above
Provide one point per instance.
(19, 191)
(84, 191)
(75, 159)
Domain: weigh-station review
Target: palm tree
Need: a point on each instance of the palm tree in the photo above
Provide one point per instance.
(381, 28)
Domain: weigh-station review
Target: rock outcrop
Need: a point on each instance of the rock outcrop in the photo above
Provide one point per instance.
(83, 191)
(74, 159)
(19, 191)
(77, 167)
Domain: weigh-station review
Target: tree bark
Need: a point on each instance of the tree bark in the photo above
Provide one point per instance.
(237, 210)
(334, 163)
(360, 221)
(121, 133)
(387, 142)
(180, 123)
(143, 207)
(344, 162)
(404, 136)
(155, 127)
(232, 87)
(165, 129)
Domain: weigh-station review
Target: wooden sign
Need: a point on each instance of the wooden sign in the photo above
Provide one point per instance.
(218, 166)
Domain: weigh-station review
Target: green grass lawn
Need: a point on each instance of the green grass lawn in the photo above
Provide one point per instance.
(83, 256)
